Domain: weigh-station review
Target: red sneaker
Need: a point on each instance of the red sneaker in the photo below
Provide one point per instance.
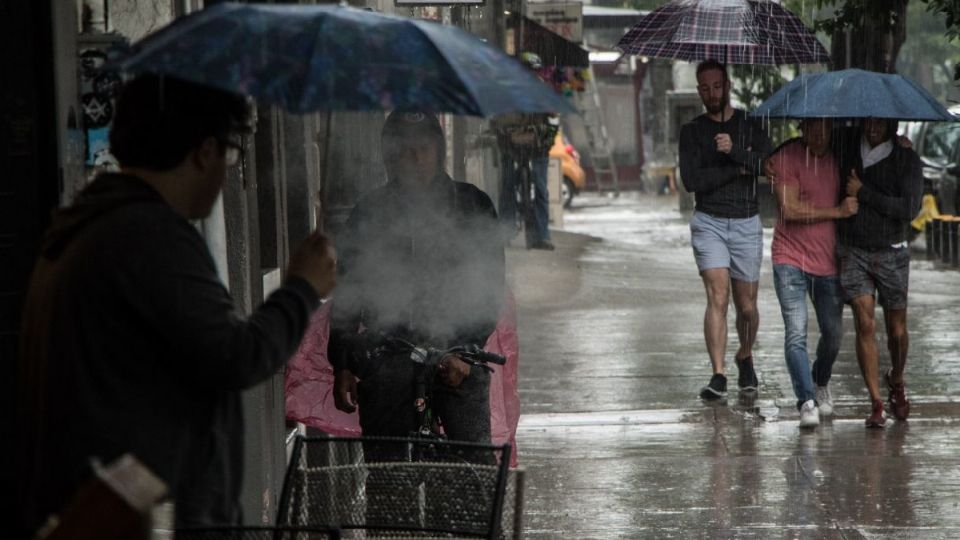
(899, 404)
(877, 419)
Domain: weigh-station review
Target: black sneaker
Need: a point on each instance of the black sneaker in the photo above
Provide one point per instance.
(747, 378)
(716, 389)
(543, 244)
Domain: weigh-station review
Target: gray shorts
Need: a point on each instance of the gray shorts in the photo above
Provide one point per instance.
(884, 272)
(731, 243)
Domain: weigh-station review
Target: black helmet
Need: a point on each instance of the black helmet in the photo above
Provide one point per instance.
(410, 125)
(404, 124)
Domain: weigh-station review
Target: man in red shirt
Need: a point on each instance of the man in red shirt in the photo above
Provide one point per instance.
(806, 182)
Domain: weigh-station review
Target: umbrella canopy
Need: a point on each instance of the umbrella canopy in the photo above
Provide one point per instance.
(308, 58)
(756, 32)
(853, 93)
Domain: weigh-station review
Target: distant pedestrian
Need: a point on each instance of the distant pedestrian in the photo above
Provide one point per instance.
(721, 153)
(886, 178)
(130, 342)
(806, 181)
(524, 140)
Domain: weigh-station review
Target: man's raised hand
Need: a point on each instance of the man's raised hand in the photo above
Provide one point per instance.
(315, 261)
(724, 143)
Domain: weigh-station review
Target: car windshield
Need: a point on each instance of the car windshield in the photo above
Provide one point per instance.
(940, 142)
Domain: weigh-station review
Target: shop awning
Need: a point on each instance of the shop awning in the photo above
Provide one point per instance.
(607, 17)
(552, 48)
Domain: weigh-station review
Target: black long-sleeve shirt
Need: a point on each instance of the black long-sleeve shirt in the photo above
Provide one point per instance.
(132, 344)
(724, 185)
(424, 266)
(889, 198)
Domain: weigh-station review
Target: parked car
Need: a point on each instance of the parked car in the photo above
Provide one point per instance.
(938, 145)
(574, 179)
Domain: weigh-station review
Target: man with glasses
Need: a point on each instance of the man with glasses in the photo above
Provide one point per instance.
(130, 342)
(721, 153)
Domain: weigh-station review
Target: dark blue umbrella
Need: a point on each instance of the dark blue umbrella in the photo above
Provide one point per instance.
(853, 93)
(308, 58)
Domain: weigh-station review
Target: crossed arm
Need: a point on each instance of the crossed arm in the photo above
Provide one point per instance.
(697, 178)
(794, 209)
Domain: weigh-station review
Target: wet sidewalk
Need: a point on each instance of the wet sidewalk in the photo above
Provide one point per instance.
(618, 445)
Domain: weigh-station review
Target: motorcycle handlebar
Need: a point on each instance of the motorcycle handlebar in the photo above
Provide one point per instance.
(471, 352)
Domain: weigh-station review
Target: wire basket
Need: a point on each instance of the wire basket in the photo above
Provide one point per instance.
(257, 533)
(396, 488)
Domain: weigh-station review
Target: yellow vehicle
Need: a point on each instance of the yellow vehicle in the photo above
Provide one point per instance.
(574, 179)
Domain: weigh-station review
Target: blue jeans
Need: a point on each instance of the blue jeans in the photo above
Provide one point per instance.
(793, 287)
(508, 193)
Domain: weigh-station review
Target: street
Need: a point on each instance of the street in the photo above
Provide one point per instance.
(617, 444)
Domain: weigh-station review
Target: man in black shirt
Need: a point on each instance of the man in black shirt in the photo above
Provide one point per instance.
(886, 178)
(721, 153)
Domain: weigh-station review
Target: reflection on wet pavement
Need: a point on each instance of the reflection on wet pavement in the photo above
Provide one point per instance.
(617, 444)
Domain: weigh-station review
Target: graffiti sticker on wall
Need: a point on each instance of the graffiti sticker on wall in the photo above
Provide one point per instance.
(97, 92)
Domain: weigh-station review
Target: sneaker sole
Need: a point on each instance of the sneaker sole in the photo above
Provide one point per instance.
(748, 389)
(874, 425)
(808, 425)
(710, 394)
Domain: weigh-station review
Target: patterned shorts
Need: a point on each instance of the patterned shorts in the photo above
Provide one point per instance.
(883, 271)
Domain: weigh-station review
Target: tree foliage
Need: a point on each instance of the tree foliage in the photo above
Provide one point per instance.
(950, 9)
(883, 23)
(866, 34)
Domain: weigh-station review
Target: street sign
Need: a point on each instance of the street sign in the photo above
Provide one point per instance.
(563, 18)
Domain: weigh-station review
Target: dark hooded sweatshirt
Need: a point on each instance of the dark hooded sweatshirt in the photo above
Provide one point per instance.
(889, 198)
(424, 266)
(130, 343)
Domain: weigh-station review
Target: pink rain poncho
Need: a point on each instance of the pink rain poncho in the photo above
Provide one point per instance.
(309, 382)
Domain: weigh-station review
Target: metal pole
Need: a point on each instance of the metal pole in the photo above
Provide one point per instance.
(518, 503)
(523, 13)
(846, 48)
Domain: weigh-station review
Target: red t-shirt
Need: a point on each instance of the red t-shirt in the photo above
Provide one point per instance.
(808, 245)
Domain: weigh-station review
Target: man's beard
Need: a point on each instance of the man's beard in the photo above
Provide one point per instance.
(718, 108)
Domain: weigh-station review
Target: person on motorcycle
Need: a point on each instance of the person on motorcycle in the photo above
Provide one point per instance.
(420, 260)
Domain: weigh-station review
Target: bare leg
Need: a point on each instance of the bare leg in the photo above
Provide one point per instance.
(864, 308)
(898, 341)
(716, 281)
(748, 317)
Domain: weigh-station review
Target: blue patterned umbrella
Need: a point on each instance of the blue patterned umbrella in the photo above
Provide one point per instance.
(853, 93)
(754, 32)
(308, 58)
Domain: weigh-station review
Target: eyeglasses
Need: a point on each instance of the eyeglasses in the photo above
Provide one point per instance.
(232, 150)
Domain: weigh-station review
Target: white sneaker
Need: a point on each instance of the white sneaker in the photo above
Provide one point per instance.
(809, 414)
(825, 400)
